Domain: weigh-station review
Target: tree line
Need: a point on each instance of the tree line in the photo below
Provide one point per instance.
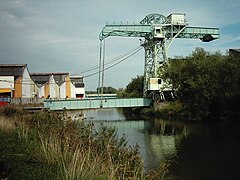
(207, 84)
(133, 89)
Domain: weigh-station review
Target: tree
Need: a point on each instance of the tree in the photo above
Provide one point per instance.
(204, 81)
(135, 87)
(108, 90)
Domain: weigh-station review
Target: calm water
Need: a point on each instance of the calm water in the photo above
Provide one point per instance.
(195, 150)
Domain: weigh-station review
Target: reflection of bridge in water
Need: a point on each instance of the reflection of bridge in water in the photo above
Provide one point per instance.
(163, 140)
(71, 104)
(158, 139)
(155, 127)
(139, 125)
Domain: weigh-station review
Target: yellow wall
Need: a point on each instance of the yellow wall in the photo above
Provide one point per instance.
(68, 87)
(46, 90)
(5, 90)
(18, 88)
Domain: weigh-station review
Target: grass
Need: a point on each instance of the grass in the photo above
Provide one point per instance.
(45, 146)
(20, 162)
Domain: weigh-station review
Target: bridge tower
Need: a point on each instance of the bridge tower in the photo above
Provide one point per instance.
(158, 32)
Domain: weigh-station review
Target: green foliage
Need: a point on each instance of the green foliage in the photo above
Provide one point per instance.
(171, 109)
(150, 111)
(121, 93)
(166, 110)
(108, 90)
(204, 81)
(135, 87)
(14, 152)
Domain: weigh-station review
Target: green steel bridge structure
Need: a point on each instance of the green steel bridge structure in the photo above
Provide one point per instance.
(158, 32)
(73, 104)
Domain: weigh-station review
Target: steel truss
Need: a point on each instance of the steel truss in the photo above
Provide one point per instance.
(158, 32)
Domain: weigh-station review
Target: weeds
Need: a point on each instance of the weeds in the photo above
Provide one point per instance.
(6, 124)
(75, 150)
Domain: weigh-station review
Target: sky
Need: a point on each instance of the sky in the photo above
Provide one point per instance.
(63, 35)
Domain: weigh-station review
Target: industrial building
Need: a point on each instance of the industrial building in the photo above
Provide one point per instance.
(15, 81)
(77, 82)
(23, 87)
(58, 85)
(51, 85)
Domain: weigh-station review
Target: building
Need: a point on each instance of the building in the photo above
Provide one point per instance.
(53, 85)
(6, 86)
(79, 86)
(23, 86)
(59, 85)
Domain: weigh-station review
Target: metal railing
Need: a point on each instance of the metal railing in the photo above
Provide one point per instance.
(95, 103)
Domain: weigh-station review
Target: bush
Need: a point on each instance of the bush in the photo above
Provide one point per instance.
(172, 108)
(10, 111)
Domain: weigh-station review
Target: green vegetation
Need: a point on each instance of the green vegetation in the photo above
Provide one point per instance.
(46, 145)
(166, 110)
(133, 89)
(108, 90)
(208, 85)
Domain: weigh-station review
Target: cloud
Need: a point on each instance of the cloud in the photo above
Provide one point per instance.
(61, 35)
(46, 38)
(9, 20)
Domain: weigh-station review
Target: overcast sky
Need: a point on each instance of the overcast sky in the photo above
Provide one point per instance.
(62, 35)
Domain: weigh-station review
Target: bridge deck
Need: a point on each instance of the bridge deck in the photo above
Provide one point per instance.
(95, 103)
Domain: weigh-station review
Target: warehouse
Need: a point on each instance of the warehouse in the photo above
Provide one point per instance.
(77, 82)
(6, 86)
(16, 82)
(58, 85)
(52, 85)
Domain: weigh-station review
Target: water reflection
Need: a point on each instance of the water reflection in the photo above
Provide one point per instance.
(157, 138)
(199, 150)
(99, 114)
(161, 140)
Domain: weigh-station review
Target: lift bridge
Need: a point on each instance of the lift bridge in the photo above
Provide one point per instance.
(158, 32)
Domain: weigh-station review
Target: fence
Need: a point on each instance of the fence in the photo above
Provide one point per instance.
(25, 101)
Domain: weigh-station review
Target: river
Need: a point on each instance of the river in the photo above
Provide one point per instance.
(195, 150)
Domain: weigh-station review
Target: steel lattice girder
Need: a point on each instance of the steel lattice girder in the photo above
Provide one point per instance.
(158, 31)
(205, 34)
(125, 30)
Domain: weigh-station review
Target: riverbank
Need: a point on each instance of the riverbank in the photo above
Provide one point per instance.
(180, 111)
(43, 145)
(164, 110)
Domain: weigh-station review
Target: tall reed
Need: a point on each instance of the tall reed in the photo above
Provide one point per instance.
(78, 150)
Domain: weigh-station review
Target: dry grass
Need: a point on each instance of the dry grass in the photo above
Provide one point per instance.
(75, 148)
(6, 124)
